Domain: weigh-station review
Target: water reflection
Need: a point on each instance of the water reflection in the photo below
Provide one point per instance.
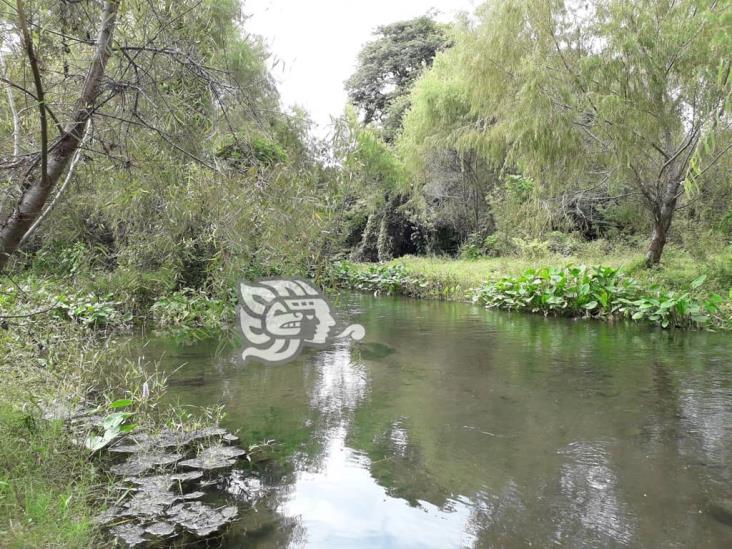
(341, 506)
(451, 426)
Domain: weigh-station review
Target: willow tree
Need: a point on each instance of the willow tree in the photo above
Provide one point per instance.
(634, 93)
(113, 77)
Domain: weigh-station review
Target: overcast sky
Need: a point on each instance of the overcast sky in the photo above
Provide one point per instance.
(317, 42)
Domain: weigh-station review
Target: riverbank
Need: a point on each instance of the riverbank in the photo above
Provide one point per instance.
(49, 485)
(682, 292)
(61, 356)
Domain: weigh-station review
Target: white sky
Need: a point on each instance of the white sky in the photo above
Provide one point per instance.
(317, 43)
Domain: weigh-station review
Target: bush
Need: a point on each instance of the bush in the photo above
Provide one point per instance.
(191, 308)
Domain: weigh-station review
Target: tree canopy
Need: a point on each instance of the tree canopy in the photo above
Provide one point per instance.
(389, 65)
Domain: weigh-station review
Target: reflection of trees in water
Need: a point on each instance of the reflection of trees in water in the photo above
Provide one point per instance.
(503, 412)
(260, 524)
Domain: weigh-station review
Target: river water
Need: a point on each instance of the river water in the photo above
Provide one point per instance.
(453, 426)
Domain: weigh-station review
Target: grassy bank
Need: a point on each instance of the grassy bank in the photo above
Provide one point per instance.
(58, 352)
(48, 483)
(682, 292)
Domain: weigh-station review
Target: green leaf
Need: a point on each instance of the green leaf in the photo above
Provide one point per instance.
(698, 282)
(591, 305)
(95, 442)
(115, 420)
(121, 403)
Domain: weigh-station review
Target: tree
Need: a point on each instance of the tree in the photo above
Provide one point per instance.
(628, 93)
(389, 65)
(158, 71)
(450, 181)
(48, 165)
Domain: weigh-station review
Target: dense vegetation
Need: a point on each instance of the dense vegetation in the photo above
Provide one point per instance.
(610, 122)
(146, 165)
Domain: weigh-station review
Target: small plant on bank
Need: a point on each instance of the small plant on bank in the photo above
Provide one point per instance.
(113, 425)
(191, 308)
(89, 309)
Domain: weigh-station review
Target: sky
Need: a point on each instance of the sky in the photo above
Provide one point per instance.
(315, 43)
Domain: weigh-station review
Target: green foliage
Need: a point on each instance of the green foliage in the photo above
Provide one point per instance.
(388, 279)
(388, 66)
(46, 482)
(114, 424)
(257, 151)
(590, 109)
(604, 293)
(89, 309)
(391, 279)
(190, 308)
(598, 292)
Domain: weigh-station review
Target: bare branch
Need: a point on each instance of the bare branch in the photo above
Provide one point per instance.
(33, 60)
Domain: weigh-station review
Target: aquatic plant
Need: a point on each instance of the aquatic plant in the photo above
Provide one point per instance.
(599, 292)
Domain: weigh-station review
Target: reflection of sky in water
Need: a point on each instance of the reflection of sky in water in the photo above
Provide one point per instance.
(342, 384)
(450, 428)
(342, 506)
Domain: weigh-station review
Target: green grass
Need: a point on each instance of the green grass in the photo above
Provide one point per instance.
(46, 484)
(56, 349)
(681, 292)
(677, 270)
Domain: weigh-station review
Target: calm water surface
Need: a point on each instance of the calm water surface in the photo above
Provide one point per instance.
(452, 426)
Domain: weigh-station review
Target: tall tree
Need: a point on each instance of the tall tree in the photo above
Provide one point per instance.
(388, 67)
(128, 72)
(47, 166)
(630, 92)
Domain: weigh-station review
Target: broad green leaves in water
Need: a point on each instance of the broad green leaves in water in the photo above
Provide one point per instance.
(601, 292)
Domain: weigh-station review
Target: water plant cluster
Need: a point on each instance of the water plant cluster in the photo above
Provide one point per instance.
(598, 292)
(574, 291)
(390, 279)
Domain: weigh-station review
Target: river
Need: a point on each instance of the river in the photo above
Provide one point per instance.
(454, 426)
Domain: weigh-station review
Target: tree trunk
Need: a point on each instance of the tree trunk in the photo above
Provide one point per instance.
(658, 241)
(662, 221)
(37, 186)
